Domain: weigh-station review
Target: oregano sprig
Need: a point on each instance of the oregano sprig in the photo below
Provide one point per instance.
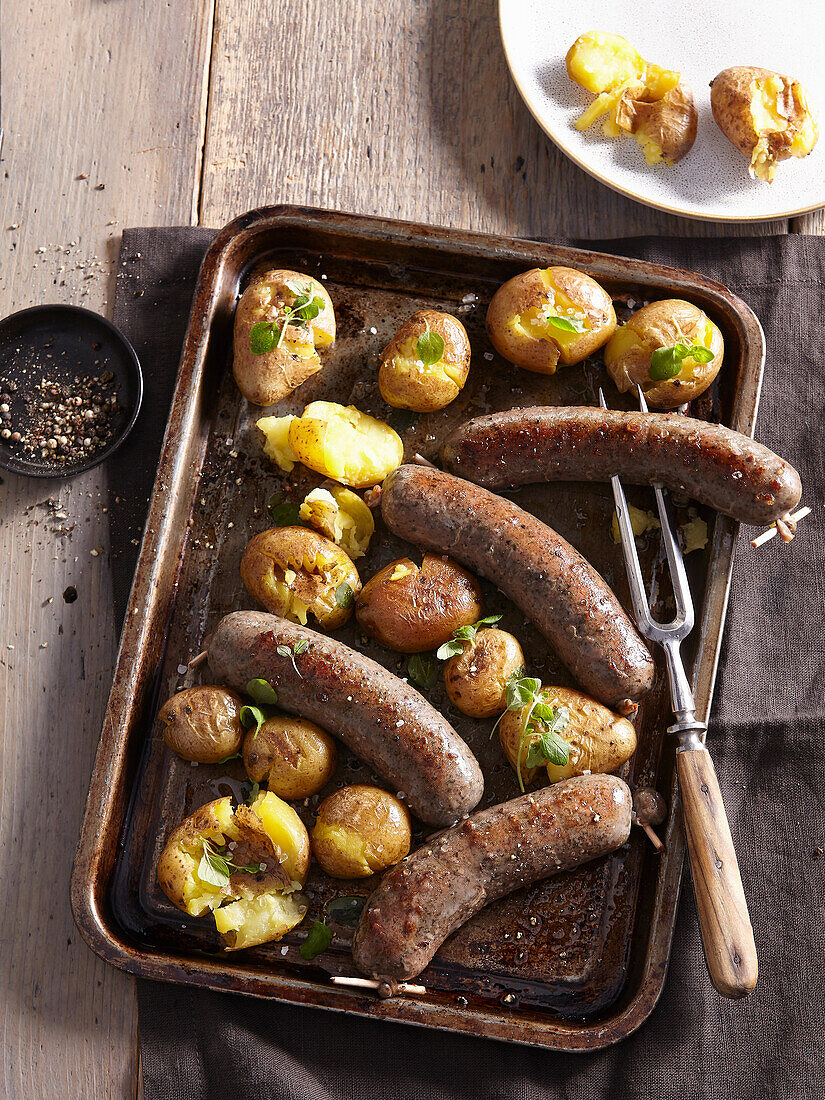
(666, 362)
(463, 634)
(525, 694)
(268, 335)
(293, 651)
(216, 868)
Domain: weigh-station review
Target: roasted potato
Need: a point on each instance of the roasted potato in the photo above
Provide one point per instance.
(637, 97)
(335, 440)
(765, 115)
(665, 324)
(360, 830)
(292, 756)
(341, 515)
(266, 377)
(295, 572)
(476, 678)
(549, 315)
(203, 723)
(599, 740)
(246, 866)
(409, 377)
(411, 609)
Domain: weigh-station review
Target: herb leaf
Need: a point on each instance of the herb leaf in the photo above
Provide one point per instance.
(254, 791)
(345, 910)
(263, 337)
(317, 940)
(344, 595)
(463, 634)
(283, 512)
(423, 670)
(266, 335)
(700, 354)
(665, 363)
(429, 347)
(213, 868)
(567, 324)
(547, 748)
(226, 759)
(301, 646)
(262, 692)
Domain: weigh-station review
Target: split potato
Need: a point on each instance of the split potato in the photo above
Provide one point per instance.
(341, 515)
(337, 441)
(413, 375)
(550, 315)
(203, 723)
(476, 679)
(267, 306)
(292, 756)
(294, 572)
(245, 866)
(360, 830)
(412, 609)
(599, 740)
(765, 115)
(653, 104)
(665, 324)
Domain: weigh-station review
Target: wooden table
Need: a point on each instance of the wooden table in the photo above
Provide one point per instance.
(118, 113)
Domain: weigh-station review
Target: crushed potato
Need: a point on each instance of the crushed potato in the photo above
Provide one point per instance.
(342, 516)
(640, 521)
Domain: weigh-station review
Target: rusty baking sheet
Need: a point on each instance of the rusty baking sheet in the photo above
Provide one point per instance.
(574, 963)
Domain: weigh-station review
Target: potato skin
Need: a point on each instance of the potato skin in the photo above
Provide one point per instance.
(293, 756)
(295, 571)
(407, 383)
(345, 444)
(203, 723)
(662, 324)
(268, 378)
(599, 739)
(360, 830)
(557, 290)
(411, 609)
(476, 678)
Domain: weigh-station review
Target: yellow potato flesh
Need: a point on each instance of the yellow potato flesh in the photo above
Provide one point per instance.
(535, 322)
(640, 521)
(342, 516)
(355, 858)
(276, 440)
(257, 920)
(767, 120)
(345, 444)
(408, 363)
(285, 829)
(626, 339)
(600, 62)
(198, 894)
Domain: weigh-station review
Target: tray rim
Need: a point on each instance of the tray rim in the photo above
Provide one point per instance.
(107, 798)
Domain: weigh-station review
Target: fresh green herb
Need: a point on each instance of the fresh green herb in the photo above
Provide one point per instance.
(524, 693)
(293, 651)
(422, 669)
(226, 759)
(345, 910)
(667, 362)
(262, 692)
(252, 716)
(267, 335)
(462, 635)
(283, 512)
(567, 324)
(548, 747)
(317, 940)
(429, 347)
(216, 869)
(254, 791)
(344, 595)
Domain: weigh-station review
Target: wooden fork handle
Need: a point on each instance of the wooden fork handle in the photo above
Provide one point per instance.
(727, 935)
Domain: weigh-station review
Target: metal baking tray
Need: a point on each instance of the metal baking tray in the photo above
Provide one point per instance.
(574, 963)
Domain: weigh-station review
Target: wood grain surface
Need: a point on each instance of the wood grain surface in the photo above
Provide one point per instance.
(121, 113)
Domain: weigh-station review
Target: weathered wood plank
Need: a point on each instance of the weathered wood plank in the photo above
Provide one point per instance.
(402, 109)
(113, 93)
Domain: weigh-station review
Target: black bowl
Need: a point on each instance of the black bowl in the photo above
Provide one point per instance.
(77, 341)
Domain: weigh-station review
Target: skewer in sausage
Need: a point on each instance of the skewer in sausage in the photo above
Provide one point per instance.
(444, 883)
(540, 572)
(713, 464)
(382, 719)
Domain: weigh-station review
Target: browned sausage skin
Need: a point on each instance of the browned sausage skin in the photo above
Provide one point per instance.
(435, 890)
(382, 719)
(540, 572)
(716, 466)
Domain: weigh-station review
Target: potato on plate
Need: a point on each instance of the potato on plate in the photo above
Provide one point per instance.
(360, 830)
(294, 572)
(476, 678)
(337, 441)
(671, 349)
(245, 866)
(598, 739)
(292, 756)
(281, 321)
(412, 609)
(341, 515)
(653, 104)
(425, 365)
(203, 723)
(765, 115)
(549, 315)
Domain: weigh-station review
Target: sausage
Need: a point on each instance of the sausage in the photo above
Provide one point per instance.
(430, 893)
(382, 719)
(540, 572)
(716, 466)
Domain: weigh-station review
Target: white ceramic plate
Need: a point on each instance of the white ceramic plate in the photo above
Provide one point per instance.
(699, 39)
